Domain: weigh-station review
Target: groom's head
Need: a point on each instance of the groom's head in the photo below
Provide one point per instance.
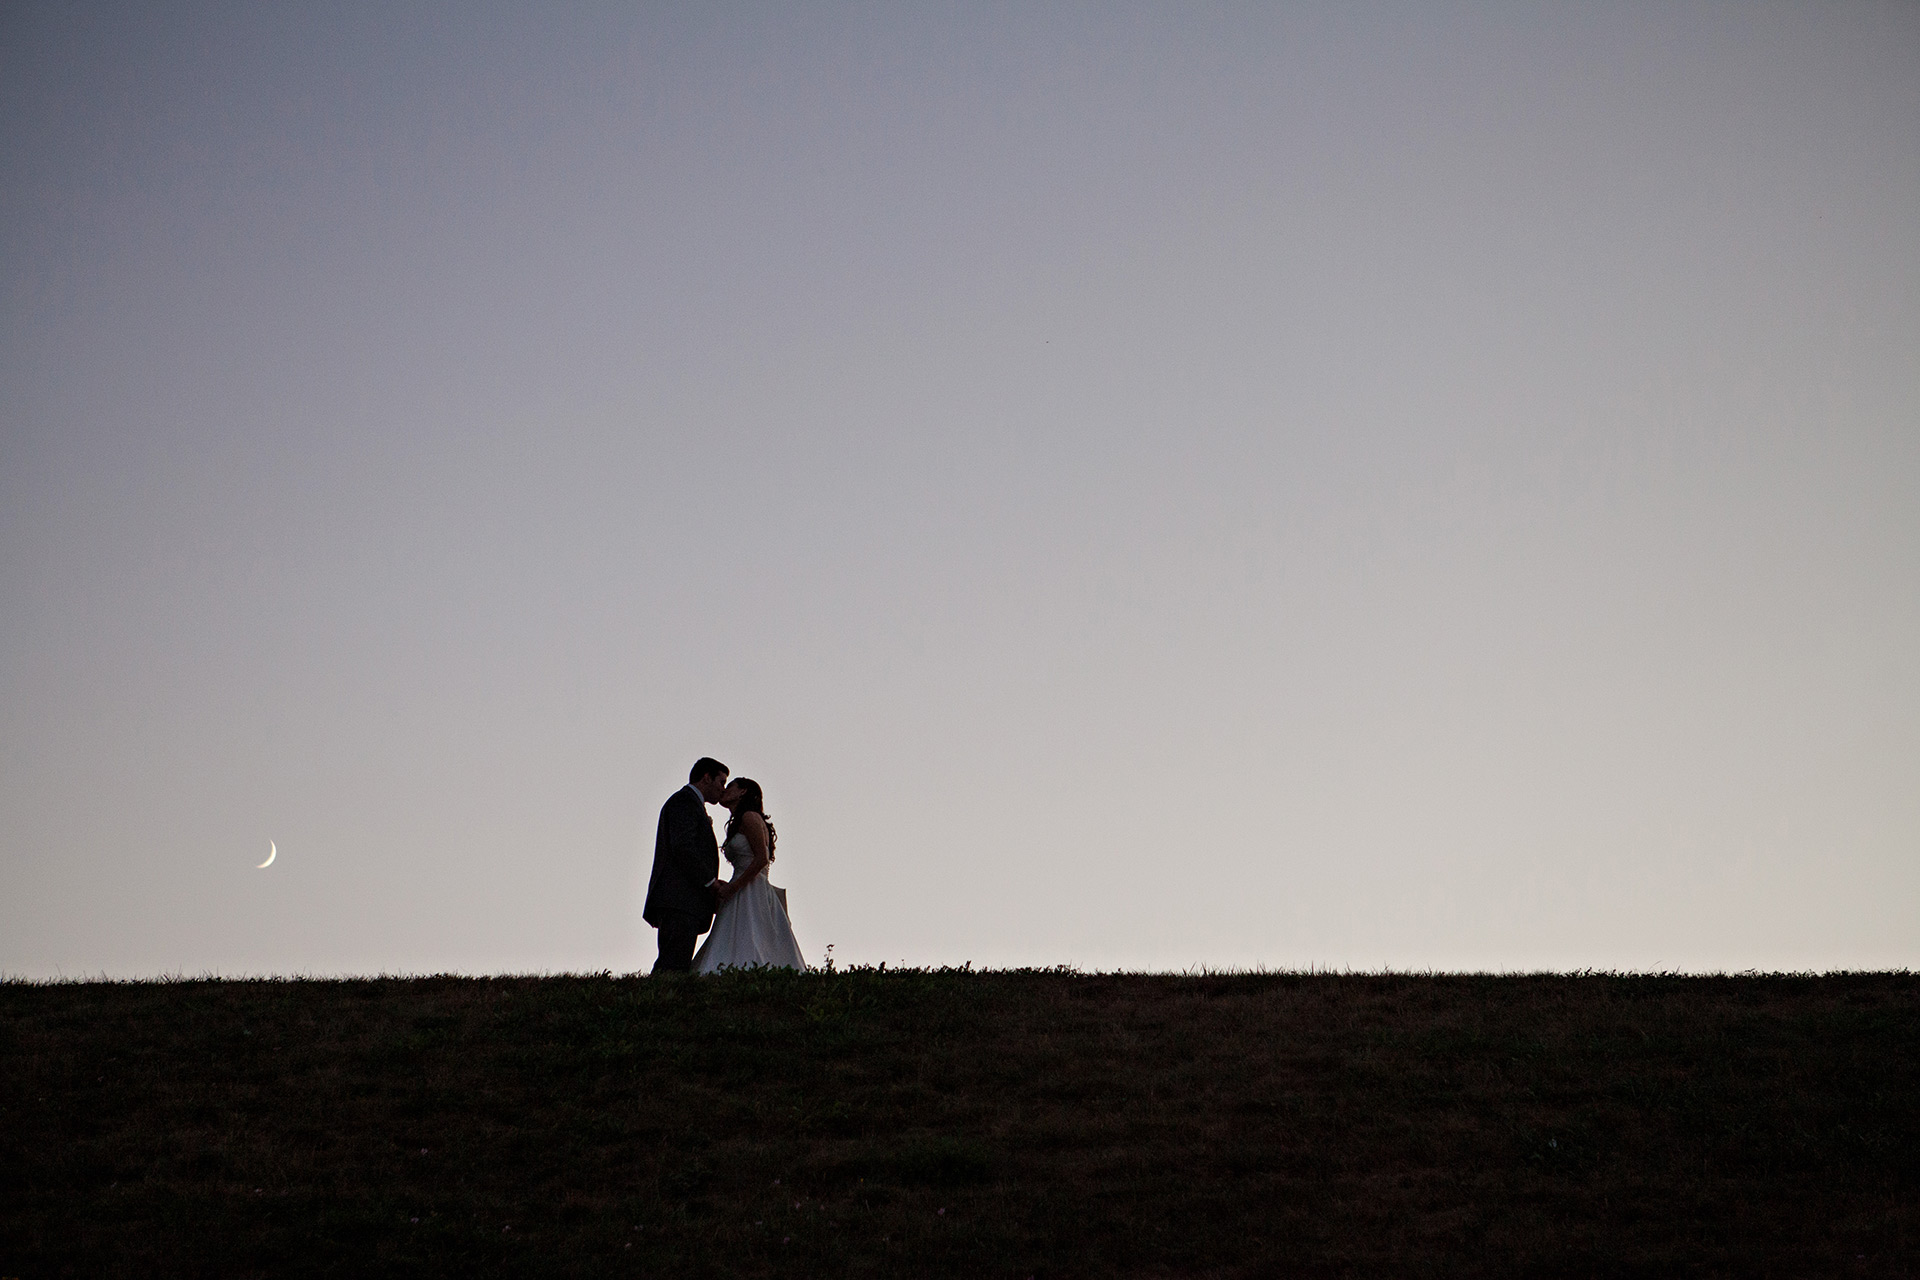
(709, 777)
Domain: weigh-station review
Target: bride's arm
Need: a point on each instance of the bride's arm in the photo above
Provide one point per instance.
(756, 828)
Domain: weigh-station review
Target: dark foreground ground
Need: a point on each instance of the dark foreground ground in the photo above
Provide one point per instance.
(963, 1124)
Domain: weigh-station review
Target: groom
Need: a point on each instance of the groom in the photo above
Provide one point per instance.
(686, 865)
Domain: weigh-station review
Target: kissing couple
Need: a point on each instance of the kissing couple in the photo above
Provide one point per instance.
(685, 895)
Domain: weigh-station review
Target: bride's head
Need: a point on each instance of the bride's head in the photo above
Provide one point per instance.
(743, 796)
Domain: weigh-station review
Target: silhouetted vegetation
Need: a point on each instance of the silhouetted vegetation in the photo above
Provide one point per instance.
(953, 1123)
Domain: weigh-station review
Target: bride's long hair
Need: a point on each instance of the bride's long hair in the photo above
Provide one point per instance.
(751, 802)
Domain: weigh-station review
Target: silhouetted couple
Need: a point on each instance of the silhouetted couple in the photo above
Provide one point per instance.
(685, 895)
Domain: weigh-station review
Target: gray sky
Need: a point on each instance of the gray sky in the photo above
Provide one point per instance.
(1349, 485)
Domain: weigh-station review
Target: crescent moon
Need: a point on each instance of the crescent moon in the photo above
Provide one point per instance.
(273, 851)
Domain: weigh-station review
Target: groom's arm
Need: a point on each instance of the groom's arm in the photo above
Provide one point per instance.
(686, 850)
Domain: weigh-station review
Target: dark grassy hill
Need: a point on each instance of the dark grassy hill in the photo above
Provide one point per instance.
(963, 1124)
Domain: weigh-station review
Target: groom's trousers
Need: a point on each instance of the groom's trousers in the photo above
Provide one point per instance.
(677, 936)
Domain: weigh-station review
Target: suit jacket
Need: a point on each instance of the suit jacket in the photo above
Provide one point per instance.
(686, 859)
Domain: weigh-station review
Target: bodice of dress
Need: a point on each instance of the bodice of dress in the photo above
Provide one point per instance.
(739, 852)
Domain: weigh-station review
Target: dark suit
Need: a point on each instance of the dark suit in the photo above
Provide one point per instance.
(680, 897)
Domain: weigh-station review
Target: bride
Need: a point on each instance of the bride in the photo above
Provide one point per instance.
(752, 926)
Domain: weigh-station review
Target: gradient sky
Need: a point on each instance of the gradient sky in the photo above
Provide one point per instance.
(1429, 485)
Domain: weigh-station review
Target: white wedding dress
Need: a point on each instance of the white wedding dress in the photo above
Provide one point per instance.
(752, 927)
